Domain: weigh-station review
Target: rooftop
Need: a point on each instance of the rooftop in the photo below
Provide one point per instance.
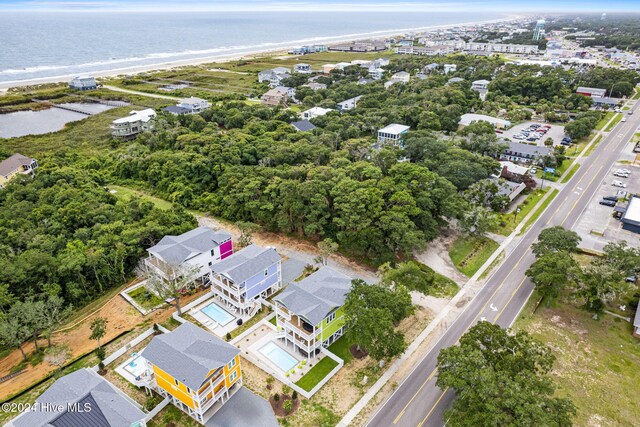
(14, 162)
(244, 409)
(532, 150)
(246, 263)
(177, 249)
(632, 214)
(469, 118)
(189, 353)
(303, 126)
(395, 128)
(135, 116)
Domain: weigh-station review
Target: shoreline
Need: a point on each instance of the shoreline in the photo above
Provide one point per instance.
(222, 58)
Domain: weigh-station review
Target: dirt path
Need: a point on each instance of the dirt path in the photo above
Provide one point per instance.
(135, 92)
(436, 256)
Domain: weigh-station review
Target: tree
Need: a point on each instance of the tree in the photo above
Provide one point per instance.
(57, 355)
(13, 333)
(411, 274)
(246, 232)
(98, 329)
(501, 379)
(623, 258)
(53, 313)
(287, 406)
(327, 247)
(30, 313)
(6, 297)
(599, 283)
(556, 239)
(478, 220)
(170, 283)
(552, 272)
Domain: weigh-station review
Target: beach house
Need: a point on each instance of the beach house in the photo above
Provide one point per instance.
(309, 313)
(245, 277)
(392, 134)
(278, 96)
(314, 112)
(450, 68)
(199, 248)
(83, 83)
(14, 165)
(135, 123)
(302, 68)
(198, 371)
(190, 105)
(82, 398)
(348, 104)
(376, 73)
(274, 76)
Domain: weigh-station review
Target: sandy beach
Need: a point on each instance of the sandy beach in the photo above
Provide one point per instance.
(281, 49)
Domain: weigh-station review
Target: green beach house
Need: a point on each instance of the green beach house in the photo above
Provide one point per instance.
(309, 313)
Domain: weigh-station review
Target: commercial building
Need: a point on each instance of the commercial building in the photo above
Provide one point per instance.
(525, 153)
(591, 91)
(136, 122)
(14, 165)
(631, 217)
(467, 119)
(501, 48)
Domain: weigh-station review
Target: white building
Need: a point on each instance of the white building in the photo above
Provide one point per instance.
(480, 85)
(302, 68)
(314, 112)
(450, 68)
(135, 123)
(274, 76)
(376, 73)
(392, 134)
(497, 123)
(83, 83)
(188, 106)
(501, 48)
(402, 76)
(348, 104)
(327, 68)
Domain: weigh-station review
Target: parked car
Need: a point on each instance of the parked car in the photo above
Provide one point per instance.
(631, 279)
(532, 139)
(621, 174)
(611, 198)
(619, 184)
(623, 170)
(624, 119)
(499, 131)
(567, 143)
(533, 171)
(607, 202)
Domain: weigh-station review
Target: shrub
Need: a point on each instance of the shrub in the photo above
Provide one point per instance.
(101, 353)
(288, 406)
(276, 397)
(294, 396)
(286, 389)
(228, 337)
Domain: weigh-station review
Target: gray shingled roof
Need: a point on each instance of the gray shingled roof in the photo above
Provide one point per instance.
(317, 295)
(109, 408)
(14, 162)
(244, 409)
(189, 353)
(636, 320)
(303, 125)
(176, 249)
(174, 109)
(246, 263)
(532, 150)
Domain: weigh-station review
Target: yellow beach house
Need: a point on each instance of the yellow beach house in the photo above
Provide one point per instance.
(198, 371)
(14, 165)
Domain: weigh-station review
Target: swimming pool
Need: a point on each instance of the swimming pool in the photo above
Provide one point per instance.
(136, 367)
(281, 358)
(214, 311)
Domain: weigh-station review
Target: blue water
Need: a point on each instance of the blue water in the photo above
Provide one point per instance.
(36, 44)
(217, 314)
(281, 358)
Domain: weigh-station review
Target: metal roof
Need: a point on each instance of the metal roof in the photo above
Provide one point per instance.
(189, 353)
(395, 129)
(531, 150)
(303, 125)
(14, 162)
(317, 295)
(177, 249)
(246, 263)
(632, 214)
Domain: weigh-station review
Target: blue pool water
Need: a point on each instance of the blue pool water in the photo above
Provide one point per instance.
(281, 358)
(217, 314)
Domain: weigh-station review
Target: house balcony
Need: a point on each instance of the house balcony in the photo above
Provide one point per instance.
(205, 405)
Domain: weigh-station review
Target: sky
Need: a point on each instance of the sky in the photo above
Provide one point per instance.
(504, 6)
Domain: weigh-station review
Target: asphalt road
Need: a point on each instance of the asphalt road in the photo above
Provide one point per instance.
(418, 401)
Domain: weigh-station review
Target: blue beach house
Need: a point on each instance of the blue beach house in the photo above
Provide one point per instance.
(244, 278)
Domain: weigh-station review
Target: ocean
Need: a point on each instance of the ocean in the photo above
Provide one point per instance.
(40, 45)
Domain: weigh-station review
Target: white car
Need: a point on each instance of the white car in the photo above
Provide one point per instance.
(619, 184)
(518, 136)
(627, 171)
(621, 174)
(624, 119)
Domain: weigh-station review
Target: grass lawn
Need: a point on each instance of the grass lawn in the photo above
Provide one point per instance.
(126, 193)
(539, 211)
(594, 145)
(145, 298)
(636, 137)
(468, 253)
(273, 321)
(572, 172)
(445, 287)
(605, 120)
(597, 362)
(317, 373)
(508, 222)
(615, 121)
(341, 349)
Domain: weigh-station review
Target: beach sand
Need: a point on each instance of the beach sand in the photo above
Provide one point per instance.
(281, 50)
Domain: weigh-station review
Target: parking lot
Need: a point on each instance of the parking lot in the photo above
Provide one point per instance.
(555, 132)
(597, 225)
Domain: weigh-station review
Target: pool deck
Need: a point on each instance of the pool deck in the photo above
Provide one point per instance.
(212, 325)
(122, 370)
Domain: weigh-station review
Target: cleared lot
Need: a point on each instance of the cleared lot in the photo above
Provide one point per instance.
(597, 225)
(555, 132)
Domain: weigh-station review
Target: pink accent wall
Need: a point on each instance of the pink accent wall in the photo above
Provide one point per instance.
(226, 249)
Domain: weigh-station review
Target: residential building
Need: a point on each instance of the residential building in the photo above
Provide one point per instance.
(392, 134)
(14, 165)
(198, 371)
(316, 86)
(402, 76)
(278, 96)
(197, 249)
(360, 46)
(591, 91)
(274, 76)
(431, 67)
(525, 153)
(376, 73)
(363, 81)
(510, 189)
(83, 83)
(524, 49)
(605, 101)
(467, 119)
(82, 398)
(135, 123)
(454, 80)
(480, 85)
(244, 409)
(421, 76)
(190, 105)
(315, 112)
(327, 68)
(303, 126)
(426, 50)
(450, 68)
(636, 323)
(246, 276)
(631, 217)
(380, 62)
(309, 313)
(302, 68)
(511, 171)
(348, 104)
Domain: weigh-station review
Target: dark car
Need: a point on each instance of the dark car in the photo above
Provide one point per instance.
(631, 279)
(607, 202)
(611, 198)
(565, 143)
